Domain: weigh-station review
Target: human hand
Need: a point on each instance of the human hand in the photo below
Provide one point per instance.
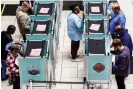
(83, 15)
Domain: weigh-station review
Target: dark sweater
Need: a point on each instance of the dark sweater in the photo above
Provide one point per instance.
(122, 63)
(126, 40)
(5, 39)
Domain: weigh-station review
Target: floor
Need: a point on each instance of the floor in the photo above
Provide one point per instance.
(65, 69)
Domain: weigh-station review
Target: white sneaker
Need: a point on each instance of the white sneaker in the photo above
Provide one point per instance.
(76, 60)
(126, 78)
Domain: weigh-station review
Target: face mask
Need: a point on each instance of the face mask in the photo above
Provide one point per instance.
(15, 55)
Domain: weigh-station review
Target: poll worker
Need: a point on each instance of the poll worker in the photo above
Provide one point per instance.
(23, 19)
(117, 18)
(121, 67)
(125, 37)
(75, 30)
(5, 39)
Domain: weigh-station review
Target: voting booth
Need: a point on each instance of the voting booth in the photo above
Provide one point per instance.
(36, 48)
(41, 27)
(96, 24)
(43, 8)
(97, 63)
(40, 47)
(95, 7)
(97, 44)
(35, 64)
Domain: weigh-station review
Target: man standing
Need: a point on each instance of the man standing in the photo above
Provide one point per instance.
(117, 18)
(75, 29)
(125, 38)
(23, 19)
(5, 39)
(121, 67)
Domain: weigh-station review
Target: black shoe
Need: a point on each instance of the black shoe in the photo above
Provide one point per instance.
(76, 57)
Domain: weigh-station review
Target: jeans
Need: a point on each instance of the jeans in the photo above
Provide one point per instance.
(3, 69)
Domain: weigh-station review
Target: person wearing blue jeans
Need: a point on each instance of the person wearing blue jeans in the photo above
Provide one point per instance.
(5, 39)
(3, 70)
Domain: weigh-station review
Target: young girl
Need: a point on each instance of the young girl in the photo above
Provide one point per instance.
(13, 69)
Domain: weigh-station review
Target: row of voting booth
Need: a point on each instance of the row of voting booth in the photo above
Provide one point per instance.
(38, 62)
(98, 64)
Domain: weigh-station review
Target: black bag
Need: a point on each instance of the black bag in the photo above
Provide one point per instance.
(11, 80)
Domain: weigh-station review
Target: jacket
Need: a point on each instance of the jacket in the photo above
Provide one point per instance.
(74, 27)
(126, 40)
(117, 19)
(5, 39)
(23, 21)
(122, 63)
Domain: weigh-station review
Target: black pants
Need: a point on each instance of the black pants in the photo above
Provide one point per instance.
(16, 84)
(74, 48)
(120, 82)
(24, 37)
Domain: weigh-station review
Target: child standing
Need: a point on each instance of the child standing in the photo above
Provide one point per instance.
(13, 69)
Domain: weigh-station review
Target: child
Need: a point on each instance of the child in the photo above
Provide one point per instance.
(13, 69)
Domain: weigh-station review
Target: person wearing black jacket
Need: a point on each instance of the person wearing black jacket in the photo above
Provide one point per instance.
(5, 39)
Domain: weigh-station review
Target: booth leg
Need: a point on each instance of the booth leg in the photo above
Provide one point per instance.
(109, 84)
(31, 84)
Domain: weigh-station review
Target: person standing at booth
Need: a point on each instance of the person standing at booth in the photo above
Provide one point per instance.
(5, 39)
(117, 18)
(125, 37)
(23, 19)
(13, 69)
(75, 30)
(121, 66)
(31, 2)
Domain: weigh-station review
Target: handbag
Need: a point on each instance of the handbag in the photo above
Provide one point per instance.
(11, 80)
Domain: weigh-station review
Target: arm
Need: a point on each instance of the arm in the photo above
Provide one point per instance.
(122, 66)
(23, 22)
(78, 23)
(122, 21)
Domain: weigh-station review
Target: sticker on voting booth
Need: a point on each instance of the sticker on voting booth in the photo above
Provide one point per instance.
(95, 27)
(98, 67)
(32, 69)
(95, 9)
(35, 52)
(41, 28)
(44, 10)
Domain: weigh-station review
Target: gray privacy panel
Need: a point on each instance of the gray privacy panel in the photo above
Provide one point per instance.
(101, 28)
(36, 23)
(99, 5)
(96, 46)
(35, 45)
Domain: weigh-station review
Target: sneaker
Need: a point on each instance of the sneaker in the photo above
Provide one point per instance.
(126, 78)
(76, 60)
(77, 56)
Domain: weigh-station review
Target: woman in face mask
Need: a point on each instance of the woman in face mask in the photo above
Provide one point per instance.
(13, 69)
